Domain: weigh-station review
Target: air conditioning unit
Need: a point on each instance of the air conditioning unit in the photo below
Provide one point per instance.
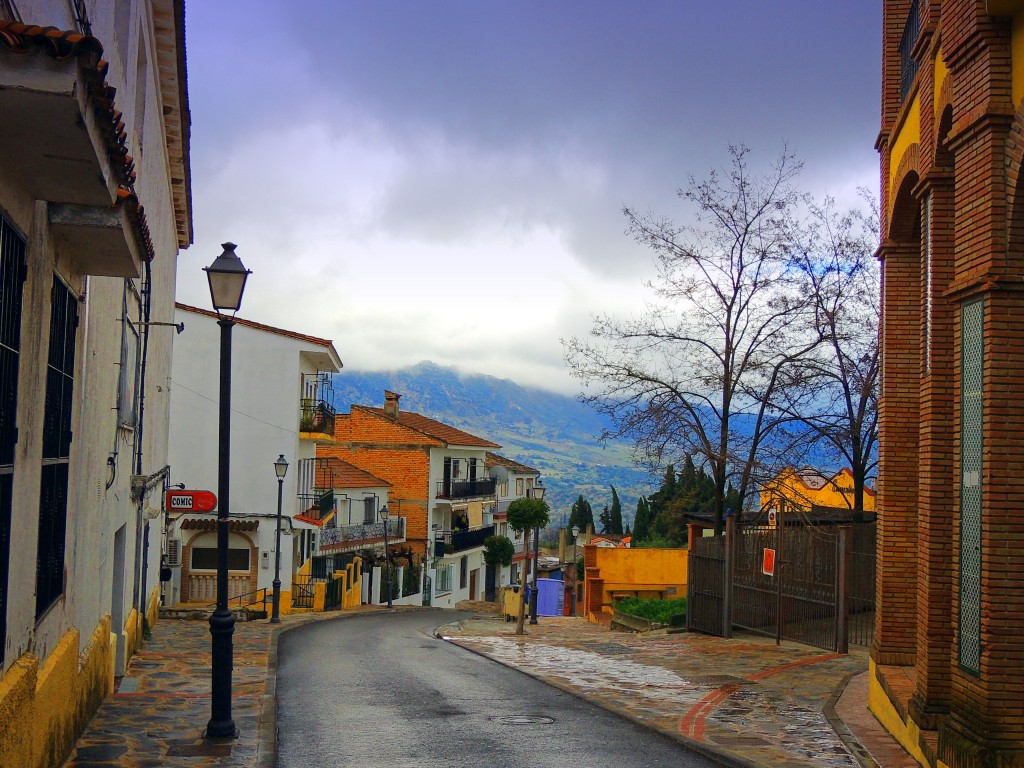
(174, 553)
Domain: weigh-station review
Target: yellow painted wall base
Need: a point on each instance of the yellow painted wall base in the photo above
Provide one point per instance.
(44, 709)
(906, 733)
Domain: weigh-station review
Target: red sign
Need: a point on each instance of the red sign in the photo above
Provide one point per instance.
(768, 563)
(190, 501)
(772, 518)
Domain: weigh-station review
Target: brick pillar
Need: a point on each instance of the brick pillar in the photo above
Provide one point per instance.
(935, 540)
(895, 616)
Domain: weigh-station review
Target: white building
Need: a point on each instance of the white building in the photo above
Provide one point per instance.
(512, 481)
(280, 405)
(94, 207)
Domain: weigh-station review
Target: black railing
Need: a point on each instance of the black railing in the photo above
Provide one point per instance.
(302, 594)
(318, 504)
(463, 540)
(908, 64)
(332, 599)
(316, 416)
(247, 599)
(464, 489)
(351, 534)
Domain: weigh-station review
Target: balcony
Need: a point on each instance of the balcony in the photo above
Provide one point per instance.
(460, 541)
(318, 504)
(464, 489)
(358, 536)
(317, 416)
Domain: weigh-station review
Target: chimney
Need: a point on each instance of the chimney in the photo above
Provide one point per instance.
(391, 404)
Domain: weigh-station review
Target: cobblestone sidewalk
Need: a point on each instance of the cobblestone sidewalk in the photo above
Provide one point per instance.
(746, 699)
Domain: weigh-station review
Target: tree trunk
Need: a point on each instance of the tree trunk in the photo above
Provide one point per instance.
(522, 583)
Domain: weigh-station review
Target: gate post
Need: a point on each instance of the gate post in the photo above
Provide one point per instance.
(730, 543)
(842, 625)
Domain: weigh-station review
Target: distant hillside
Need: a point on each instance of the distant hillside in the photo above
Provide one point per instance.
(553, 433)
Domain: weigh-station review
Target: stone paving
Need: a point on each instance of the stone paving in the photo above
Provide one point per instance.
(747, 699)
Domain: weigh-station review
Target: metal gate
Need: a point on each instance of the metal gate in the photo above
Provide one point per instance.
(707, 588)
(821, 592)
(802, 600)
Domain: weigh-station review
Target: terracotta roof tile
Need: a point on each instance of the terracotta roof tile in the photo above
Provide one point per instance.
(345, 475)
(432, 428)
(259, 326)
(496, 460)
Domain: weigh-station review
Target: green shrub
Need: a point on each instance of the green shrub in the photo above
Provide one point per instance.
(660, 611)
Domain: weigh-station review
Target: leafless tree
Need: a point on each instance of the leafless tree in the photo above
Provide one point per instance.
(697, 372)
(834, 389)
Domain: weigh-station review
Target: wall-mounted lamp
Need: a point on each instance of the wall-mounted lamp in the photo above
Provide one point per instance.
(179, 326)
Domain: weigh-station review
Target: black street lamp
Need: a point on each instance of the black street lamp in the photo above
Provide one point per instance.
(536, 492)
(384, 514)
(575, 567)
(280, 469)
(227, 279)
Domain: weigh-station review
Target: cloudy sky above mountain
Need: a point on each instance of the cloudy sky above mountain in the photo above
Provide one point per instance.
(444, 180)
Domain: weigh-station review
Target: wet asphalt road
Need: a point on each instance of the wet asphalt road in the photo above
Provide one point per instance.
(379, 691)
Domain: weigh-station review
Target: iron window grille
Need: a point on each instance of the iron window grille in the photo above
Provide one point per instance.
(53, 492)
(13, 270)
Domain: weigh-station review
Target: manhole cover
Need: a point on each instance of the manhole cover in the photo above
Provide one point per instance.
(524, 720)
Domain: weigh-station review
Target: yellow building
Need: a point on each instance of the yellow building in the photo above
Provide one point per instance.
(806, 489)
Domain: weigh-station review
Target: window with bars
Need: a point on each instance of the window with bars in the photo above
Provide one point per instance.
(53, 492)
(12, 278)
(463, 571)
(972, 323)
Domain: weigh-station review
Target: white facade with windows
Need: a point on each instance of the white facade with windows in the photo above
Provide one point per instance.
(273, 370)
(94, 207)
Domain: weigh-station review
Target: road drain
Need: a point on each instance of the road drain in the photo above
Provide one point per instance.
(524, 720)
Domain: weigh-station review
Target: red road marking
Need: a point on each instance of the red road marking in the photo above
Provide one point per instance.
(692, 723)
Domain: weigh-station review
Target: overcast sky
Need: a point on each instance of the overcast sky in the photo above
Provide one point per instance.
(443, 181)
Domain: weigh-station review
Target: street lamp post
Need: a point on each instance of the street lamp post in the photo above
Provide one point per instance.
(384, 514)
(536, 492)
(280, 469)
(575, 567)
(227, 278)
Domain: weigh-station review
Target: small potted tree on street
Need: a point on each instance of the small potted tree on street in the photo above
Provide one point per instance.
(524, 515)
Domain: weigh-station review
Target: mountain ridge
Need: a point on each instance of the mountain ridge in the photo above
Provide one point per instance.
(554, 433)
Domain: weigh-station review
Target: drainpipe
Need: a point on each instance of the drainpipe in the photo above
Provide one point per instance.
(141, 539)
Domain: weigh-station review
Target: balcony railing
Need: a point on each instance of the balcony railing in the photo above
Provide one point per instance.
(318, 504)
(464, 489)
(460, 541)
(908, 64)
(317, 416)
(350, 535)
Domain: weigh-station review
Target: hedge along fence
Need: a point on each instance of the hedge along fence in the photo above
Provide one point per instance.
(655, 611)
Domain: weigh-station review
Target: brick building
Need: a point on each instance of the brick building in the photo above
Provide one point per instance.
(950, 487)
(438, 483)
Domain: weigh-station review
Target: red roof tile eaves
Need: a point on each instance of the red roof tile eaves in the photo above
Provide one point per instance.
(494, 459)
(435, 429)
(259, 326)
(64, 45)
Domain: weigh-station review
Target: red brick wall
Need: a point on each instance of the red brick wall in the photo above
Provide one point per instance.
(968, 163)
(394, 453)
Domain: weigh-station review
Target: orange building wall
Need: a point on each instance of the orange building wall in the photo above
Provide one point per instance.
(393, 453)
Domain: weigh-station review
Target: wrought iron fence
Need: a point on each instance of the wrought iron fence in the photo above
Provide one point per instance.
(302, 593)
(316, 416)
(464, 489)
(821, 592)
(351, 534)
(708, 587)
(860, 599)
